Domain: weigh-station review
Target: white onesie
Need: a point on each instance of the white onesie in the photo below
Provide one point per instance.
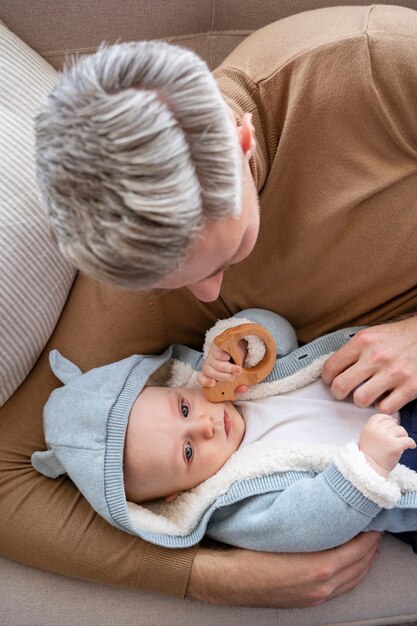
(306, 414)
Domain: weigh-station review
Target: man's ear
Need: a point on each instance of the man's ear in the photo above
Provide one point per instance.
(246, 135)
(172, 497)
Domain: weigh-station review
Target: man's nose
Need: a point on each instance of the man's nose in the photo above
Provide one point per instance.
(207, 290)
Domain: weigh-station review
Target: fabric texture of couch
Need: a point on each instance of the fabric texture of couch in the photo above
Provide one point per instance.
(33, 271)
(35, 279)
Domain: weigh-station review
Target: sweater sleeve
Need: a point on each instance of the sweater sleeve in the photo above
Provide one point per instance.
(49, 525)
(312, 513)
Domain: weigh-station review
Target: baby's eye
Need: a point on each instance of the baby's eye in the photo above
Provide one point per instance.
(184, 408)
(188, 451)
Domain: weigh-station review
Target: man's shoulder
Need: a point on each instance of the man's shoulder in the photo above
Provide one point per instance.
(274, 46)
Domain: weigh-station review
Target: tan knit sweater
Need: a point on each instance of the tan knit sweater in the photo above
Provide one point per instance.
(335, 111)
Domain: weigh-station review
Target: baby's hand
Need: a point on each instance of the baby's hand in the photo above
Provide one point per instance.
(217, 367)
(383, 441)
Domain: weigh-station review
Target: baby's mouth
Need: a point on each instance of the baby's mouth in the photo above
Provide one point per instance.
(227, 424)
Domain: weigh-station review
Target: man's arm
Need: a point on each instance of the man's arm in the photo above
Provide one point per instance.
(47, 524)
(249, 578)
(379, 365)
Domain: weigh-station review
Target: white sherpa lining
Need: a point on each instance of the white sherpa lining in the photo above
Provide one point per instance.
(404, 477)
(181, 516)
(354, 466)
(183, 375)
(303, 377)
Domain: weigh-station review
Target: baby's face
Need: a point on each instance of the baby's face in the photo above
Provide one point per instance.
(176, 439)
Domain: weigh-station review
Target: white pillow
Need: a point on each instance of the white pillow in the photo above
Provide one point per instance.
(34, 278)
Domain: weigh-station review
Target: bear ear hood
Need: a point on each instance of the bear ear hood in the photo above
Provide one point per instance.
(46, 462)
(63, 369)
(85, 422)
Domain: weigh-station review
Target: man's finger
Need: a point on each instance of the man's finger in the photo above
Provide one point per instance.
(367, 393)
(395, 399)
(356, 573)
(338, 362)
(354, 378)
(347, 566)
(361, 553)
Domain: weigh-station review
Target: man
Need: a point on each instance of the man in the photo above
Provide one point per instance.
(152, 184)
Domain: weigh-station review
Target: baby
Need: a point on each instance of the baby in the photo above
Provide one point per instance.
(176, 438)
(272, 473)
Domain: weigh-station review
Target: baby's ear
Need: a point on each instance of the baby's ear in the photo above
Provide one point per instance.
(63, 369)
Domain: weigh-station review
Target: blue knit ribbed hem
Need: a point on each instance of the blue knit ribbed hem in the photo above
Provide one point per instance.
(286, 365)
(116, 434)
(408, 501)
(304, 356)
(349, 493)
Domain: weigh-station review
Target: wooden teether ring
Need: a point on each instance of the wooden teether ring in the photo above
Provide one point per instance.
(228, 341)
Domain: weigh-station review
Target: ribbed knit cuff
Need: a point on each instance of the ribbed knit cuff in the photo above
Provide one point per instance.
(166, 570)
(354, 466)
(349, 493)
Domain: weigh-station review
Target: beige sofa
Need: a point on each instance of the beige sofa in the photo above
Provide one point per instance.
(212, 28)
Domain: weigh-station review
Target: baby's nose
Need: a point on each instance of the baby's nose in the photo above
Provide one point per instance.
(204, 426)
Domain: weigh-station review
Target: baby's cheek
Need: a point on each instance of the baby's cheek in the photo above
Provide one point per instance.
(218, 457)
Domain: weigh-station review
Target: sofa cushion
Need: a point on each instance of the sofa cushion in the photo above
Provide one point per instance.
(34, 278)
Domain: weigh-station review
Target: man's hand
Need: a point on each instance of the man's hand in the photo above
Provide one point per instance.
(383, 441)
(379, 365)
(249, 578)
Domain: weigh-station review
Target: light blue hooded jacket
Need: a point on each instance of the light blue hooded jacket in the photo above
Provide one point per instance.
(269, 497)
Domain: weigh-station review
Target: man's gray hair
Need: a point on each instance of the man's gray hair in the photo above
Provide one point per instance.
(135, 152)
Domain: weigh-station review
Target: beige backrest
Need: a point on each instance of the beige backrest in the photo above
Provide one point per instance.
(212, 28)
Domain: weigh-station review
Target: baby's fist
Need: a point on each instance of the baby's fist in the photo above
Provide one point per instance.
(383, 441)
(218, 366)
